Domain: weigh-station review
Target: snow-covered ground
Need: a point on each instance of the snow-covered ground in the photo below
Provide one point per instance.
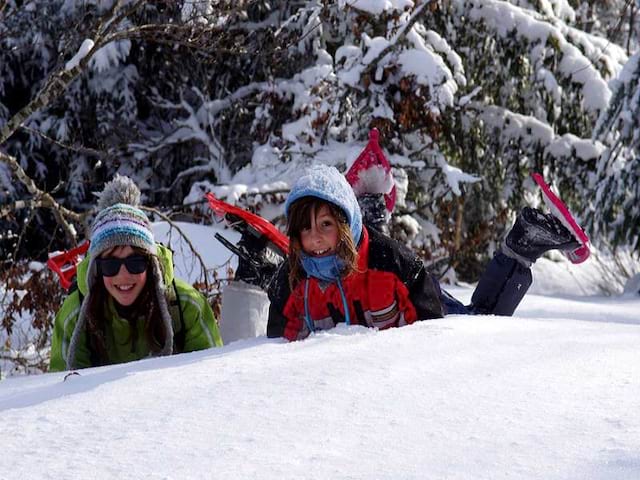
(552, 393)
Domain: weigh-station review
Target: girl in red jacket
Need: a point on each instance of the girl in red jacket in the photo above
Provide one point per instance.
(341, 271)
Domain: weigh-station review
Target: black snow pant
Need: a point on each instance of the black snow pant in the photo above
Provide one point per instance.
(500, 290)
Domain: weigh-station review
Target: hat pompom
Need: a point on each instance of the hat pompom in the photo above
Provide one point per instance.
(119, 190)
(374, 179)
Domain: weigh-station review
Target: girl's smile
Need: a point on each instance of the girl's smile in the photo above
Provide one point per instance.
(124, 287)
(321, 237)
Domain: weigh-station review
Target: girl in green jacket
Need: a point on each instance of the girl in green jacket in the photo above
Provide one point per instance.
(128, 305)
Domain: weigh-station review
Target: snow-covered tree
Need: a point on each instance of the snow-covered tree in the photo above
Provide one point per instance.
(617, 20)
(615, 210)
(485, 87)
(469, 97)
(71, 140)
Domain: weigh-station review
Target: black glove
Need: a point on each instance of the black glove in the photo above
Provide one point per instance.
(257, 263)
(374, 211)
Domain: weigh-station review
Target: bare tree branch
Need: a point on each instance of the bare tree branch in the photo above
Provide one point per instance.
(54, 88)
(113, 18)
(41, 198)
(110, 27)
(60, 81)
(183, 235)
(74, 148)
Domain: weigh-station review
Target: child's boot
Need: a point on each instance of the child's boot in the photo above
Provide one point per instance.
(535, 233)
(507, 278)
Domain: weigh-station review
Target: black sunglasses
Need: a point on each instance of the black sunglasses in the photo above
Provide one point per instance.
(135, 264)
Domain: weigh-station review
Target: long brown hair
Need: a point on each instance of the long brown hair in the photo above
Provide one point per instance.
(145, 308)
(299, 218)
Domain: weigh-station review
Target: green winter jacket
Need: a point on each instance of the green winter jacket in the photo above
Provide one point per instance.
(201, 329)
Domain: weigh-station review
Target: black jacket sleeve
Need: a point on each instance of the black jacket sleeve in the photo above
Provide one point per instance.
(389, 255)
(425, 296)
(278, 292)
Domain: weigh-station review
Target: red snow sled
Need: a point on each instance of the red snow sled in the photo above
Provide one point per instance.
(234, 214)
(561, 212)
(65, 263)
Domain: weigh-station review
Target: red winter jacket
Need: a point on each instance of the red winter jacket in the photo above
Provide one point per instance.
(391, 288)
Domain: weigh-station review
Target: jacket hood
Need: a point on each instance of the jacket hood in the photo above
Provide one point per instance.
(326, 183)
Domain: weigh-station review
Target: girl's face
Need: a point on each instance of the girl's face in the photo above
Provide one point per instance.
(322, 235)
(124, 286)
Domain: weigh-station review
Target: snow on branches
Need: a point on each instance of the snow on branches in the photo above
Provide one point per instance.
(241, 96)
(615, 209)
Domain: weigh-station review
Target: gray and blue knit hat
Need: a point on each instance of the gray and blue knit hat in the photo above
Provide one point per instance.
(329, 184)
(121, 224)
(119, 220)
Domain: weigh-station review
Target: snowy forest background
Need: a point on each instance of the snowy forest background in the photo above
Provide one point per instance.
(236, 97)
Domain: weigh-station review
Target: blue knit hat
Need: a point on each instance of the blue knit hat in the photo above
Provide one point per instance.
(322, 181)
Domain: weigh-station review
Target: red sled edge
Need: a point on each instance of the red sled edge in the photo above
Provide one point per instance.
(65, 264)
(562, 213)
(263, 226)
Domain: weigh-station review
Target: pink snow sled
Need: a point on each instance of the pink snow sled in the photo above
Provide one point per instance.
(561, 212)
